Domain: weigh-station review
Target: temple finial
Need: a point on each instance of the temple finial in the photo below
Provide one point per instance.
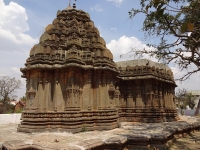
(69, 2)
(74, 5)
(69, 6)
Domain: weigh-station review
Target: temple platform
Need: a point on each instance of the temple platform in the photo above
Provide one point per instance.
(130, 135)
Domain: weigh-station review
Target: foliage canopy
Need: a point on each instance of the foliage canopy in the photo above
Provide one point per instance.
(167, 18)
(185, 98)
(8, 87)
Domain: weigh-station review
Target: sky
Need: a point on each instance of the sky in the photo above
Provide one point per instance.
(22, 22)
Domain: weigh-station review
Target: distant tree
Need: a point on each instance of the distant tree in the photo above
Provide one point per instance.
(185, 98)
(8, 87)
(176, 19)
(180, 95)
(23, 98)
(190, 100)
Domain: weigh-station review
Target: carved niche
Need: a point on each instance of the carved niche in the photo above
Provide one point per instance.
(73, 92)
(31, 96)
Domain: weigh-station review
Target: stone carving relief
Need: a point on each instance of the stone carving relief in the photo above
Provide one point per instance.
(111, 90)
(31, 96)
(73, 92)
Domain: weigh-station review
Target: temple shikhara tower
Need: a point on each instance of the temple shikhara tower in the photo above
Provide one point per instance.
(73, 84)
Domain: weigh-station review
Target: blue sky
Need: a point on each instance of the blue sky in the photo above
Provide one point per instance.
(23, 21)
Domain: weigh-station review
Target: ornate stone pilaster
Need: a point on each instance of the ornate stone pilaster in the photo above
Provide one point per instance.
(160, 96)
(28, 85)
(55, 90)
(117, 96)
(122, 98)
(169, 96)
(99, 84)
(72, 88)
(149, 94)
(47, 93)
(155, 100)
(165, 96)
(104, 92)
(171, 104)
(30, 94)
(58, 93)
(95, 91)
(87, 91)
(139, 102)
(67, 94)
(27, 81)
(111, 92)
(130, 103)
(40, 91)
(90, 89)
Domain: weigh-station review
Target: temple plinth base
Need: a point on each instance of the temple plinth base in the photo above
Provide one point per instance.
(151, 115)
(72, 121)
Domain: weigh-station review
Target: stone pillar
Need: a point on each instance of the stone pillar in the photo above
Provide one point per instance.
(173, 97)
(86, 91)
(58, 94)
(95, 91)
(171, 104)
(129, 95)
(160, 96)
(139, 102)
(117, 96)
(168, 97)
(68, 90)
(72, 90)
(40, 92)
(28, 86)
(148, 94)
(165, 96)
(110, 101)
(111, 92)
(47, 92)
(123, 100)
(99, 83)
(104, 91)
(90, 90)
(155, 100)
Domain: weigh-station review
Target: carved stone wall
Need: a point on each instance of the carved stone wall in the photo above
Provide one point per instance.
(147, 90)
(73, 84)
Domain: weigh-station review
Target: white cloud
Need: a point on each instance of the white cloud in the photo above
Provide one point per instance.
(123, 46)
(192, 83)
(16, 70)
(15, 42)
(113, 29)
(116, 2)
(96, 8)
(13, 25)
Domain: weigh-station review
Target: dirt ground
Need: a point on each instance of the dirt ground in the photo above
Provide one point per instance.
(190, 142)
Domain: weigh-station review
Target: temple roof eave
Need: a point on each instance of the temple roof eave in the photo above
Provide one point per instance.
(56, 66)
(147, 77)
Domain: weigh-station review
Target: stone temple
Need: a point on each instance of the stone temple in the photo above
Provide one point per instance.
(73, 84)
